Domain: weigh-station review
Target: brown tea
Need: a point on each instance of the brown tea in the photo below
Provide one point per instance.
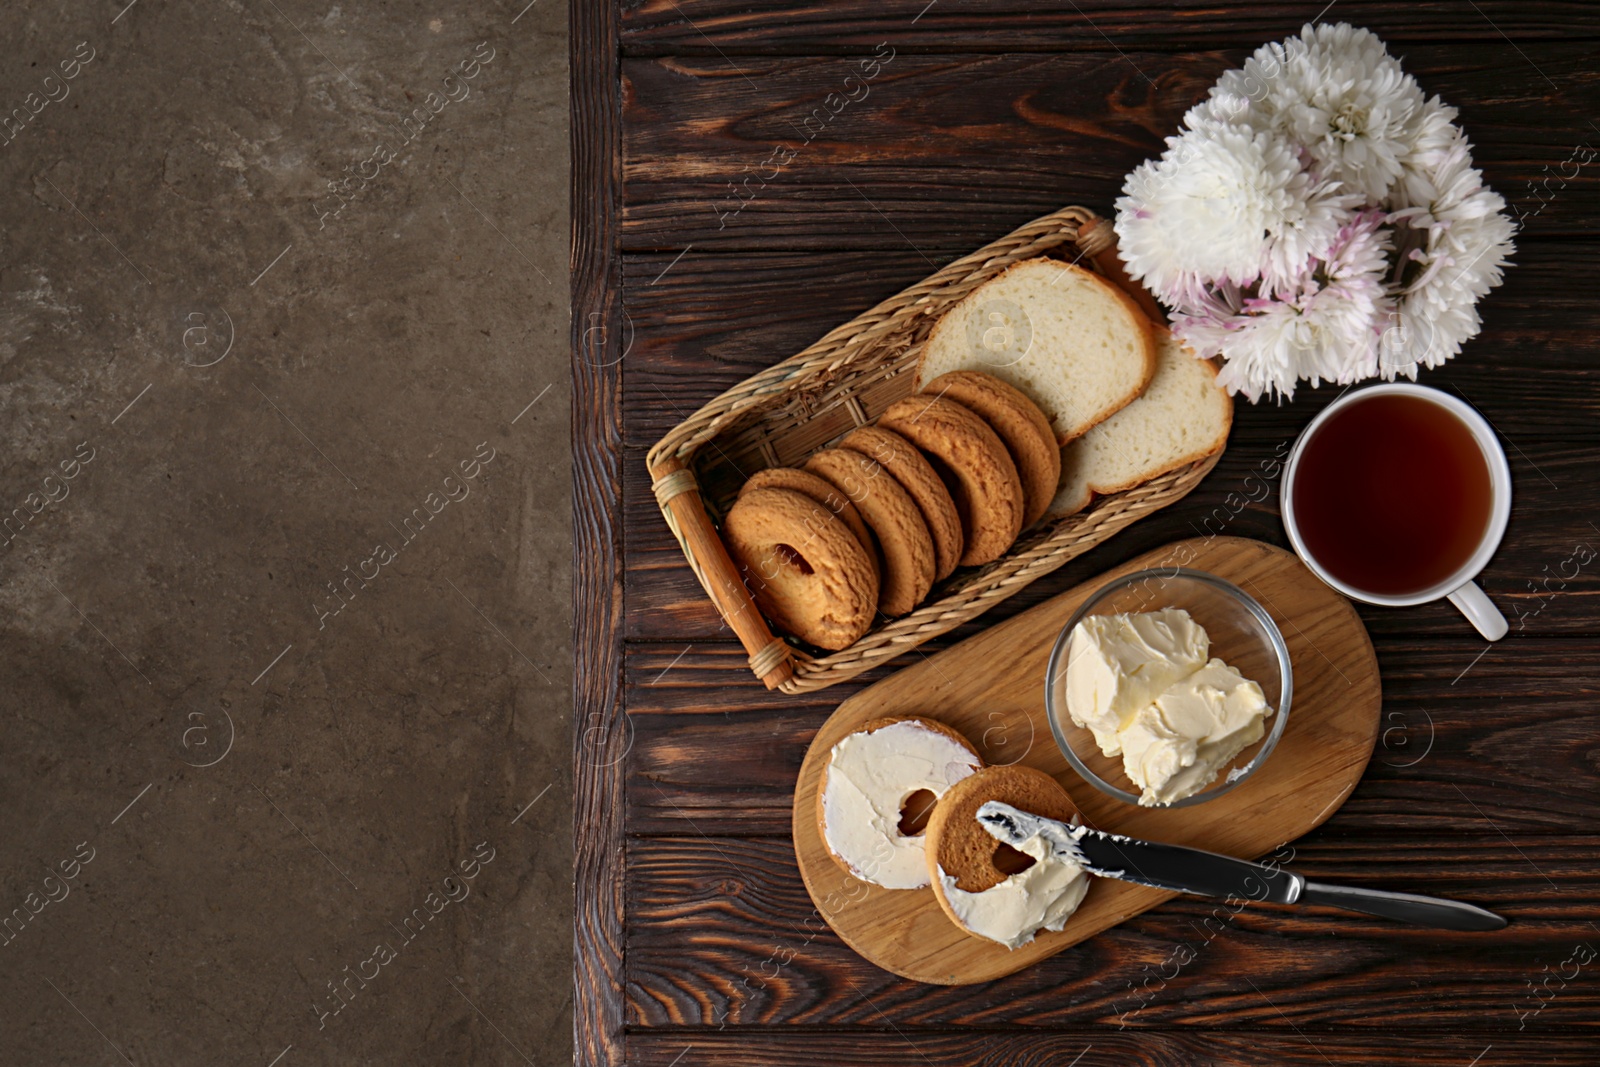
(1392, 494)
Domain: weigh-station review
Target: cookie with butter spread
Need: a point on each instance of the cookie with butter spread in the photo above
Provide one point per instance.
(877, 788)
(1007, 895)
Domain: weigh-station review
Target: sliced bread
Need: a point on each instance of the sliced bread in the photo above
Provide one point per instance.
(1182, 416)
(1076, 344)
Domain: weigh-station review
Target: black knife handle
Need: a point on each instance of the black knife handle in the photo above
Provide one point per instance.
(1402, 907)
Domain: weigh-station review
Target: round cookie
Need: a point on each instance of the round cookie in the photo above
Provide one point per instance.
(982, 477)
(908, 561)
(1021, 425)
(958, 843)
(859, 814)
(817, 489)
(918, 478)
(806, 570)
(1036, 890)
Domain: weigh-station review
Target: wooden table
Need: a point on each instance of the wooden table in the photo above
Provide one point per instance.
(698, 258)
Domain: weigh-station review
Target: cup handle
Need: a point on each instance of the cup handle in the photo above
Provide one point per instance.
(1475, 604)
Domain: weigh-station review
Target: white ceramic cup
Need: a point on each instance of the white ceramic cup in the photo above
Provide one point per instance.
(1460, 588)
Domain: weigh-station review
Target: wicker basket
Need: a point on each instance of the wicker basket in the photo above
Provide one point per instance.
(781, 415)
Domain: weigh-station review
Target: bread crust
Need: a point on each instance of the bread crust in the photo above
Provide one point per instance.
(955, 319)
(1151, 354)
(1195, 456)
(1090, 489)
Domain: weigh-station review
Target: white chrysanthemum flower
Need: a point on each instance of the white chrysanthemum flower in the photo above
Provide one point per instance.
(1334, 337)
(1360, 251)
(1262, 350)
(1447, 187)
(1224, 106)
(1435, 134)
(1336, 91)
(1306, 231)
(1318, 219)
(1454, 242)
(1327, 327)
(1223, 204)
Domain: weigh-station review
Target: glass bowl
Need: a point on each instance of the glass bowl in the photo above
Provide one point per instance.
(1241, 632)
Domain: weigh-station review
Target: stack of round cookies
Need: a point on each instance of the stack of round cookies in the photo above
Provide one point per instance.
(948, 477)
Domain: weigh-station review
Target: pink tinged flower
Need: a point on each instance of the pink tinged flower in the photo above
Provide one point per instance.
(1318, 219)
(1324, 326)
(1224, 203)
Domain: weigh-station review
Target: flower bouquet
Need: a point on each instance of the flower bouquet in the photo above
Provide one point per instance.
(1317, 218)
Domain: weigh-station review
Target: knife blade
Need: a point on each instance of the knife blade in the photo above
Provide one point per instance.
(1210, 874)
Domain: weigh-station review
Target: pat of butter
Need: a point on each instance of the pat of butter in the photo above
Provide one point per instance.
(1119, 664)
(1176, 746)
(1145, 686)
(1043, 897)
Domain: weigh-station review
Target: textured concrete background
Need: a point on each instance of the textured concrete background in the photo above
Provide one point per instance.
(284, 569)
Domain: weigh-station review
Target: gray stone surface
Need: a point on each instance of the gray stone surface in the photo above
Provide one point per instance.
(255, 714)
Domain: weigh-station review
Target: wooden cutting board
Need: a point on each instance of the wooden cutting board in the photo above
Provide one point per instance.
(991, 688)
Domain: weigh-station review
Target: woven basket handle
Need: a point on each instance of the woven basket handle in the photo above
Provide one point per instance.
(679, 496)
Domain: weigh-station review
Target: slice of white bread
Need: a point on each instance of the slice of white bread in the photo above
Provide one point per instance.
(1182, 416)
(1076, 344)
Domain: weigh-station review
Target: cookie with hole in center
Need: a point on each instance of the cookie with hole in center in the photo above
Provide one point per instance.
(990, 889)
(817, 489)
(918, 478)
(880, 785)
(975, 466)
(1021, 425)
(806, 570)
(903, 537)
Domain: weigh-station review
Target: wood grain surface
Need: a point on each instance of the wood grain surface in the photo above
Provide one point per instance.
(697, 942)
(600, 736)
(724, 932)
(773, 27)
(797, 1047)
(946, 152)
(990, 688)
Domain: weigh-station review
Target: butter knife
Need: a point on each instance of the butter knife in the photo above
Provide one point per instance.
(1208, 874)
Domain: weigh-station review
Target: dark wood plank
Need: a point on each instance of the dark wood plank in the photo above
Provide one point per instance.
(723, 932)
(796, 1047)
(945, 152)
(731, 27)
(599, 736)
(1511, 748)
(1545, 577)
(698, 326)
